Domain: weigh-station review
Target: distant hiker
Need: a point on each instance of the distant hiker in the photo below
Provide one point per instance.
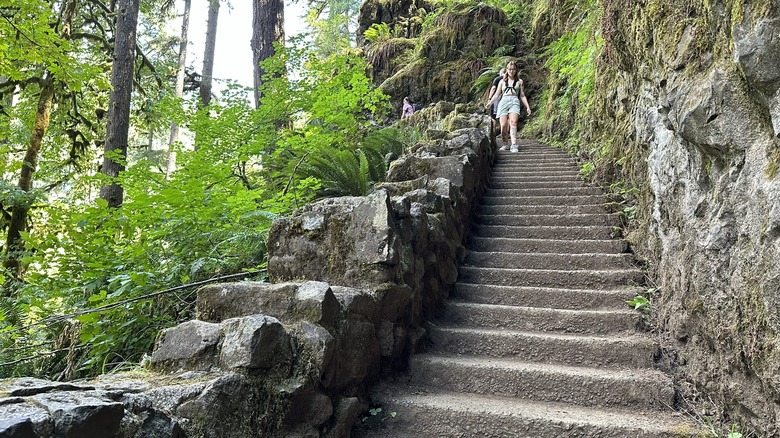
(494, 108)
(408, 109)
(510, 90)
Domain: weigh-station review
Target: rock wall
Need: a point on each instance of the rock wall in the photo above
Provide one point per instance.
(705, 105)
(439, 62)
(354, 280)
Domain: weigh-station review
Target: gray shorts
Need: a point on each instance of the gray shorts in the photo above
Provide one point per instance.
(508, 105)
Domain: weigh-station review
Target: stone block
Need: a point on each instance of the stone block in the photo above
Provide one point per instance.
(79, 414)
(346, 412)
(318, 342)
(311, 301)
(346, 241)
(255, 343)
(189, 345)
(356, 358)
(17, 428)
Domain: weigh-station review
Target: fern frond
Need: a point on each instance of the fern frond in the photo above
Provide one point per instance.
(340, 172)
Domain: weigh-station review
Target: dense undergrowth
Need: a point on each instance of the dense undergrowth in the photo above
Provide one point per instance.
(89, 297)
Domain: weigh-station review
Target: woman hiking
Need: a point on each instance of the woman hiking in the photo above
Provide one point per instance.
(510, 90)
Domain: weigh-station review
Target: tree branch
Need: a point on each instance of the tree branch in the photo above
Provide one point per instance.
(19, 31)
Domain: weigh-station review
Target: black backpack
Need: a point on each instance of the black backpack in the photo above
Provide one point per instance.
(417, 107)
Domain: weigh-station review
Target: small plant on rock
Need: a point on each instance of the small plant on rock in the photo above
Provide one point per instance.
(642, 301)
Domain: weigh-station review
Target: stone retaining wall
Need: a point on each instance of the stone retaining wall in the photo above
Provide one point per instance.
(353, 281)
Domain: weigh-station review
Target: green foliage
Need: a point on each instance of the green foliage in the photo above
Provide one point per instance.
(330, 25)
(208, 218)
(342, 172)
(587, 170)
(377, 33)
(642, 302)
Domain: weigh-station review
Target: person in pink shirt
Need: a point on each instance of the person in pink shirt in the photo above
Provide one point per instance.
(408, 109)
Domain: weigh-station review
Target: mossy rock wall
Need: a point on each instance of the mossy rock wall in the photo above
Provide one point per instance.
(685, 121)
(447, 57)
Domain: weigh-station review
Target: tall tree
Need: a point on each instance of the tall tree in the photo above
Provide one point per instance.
(208, 56)
(267, 28)
(333, 24)
(185, 25)
(119, 103)
(204, 91)
(19, 211)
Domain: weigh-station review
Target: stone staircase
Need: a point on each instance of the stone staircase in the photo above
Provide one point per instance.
(537, 340)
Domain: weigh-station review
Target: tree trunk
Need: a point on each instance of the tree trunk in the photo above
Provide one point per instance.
(267, 28)
(185, 25)
(208, 55)
(119, 102)
(14, 245)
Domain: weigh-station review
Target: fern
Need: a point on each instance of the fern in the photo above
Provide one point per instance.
(342, 173)
(377, 33)
(380, 148)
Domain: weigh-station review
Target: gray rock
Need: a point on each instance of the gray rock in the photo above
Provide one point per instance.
(774, 112)
(346, 412)
(716, 113)
(311, 408)
(384, 334)
(189, 345)
(255, 342)
(17, 428)
(80, 414)
(318, 342)
(356, 301)
(357, 355)
(151, 423)
(20, 411)
(223, 409)
(25, 386)
(355, 247)
(757, 51)
(310, 301)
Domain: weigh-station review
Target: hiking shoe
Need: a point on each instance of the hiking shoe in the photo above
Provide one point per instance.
(502, 148)
(514, 148)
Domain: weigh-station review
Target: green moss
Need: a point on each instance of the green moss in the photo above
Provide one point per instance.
(773, 165)
(751, 334)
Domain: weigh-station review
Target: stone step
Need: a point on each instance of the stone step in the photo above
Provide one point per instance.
(539, 319)
(527, 165)
(515, 183)
(506, 160)
(542, 200)
(544, 191)
(519, 171)
(502, 210)
(419, 412)
(545, 297)
(566, 278)
(564, 349)
(530, 153)
(555, 261)
(603, 219)
(514, 177)
(582, 386)
(521, 245)
(545, 232)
